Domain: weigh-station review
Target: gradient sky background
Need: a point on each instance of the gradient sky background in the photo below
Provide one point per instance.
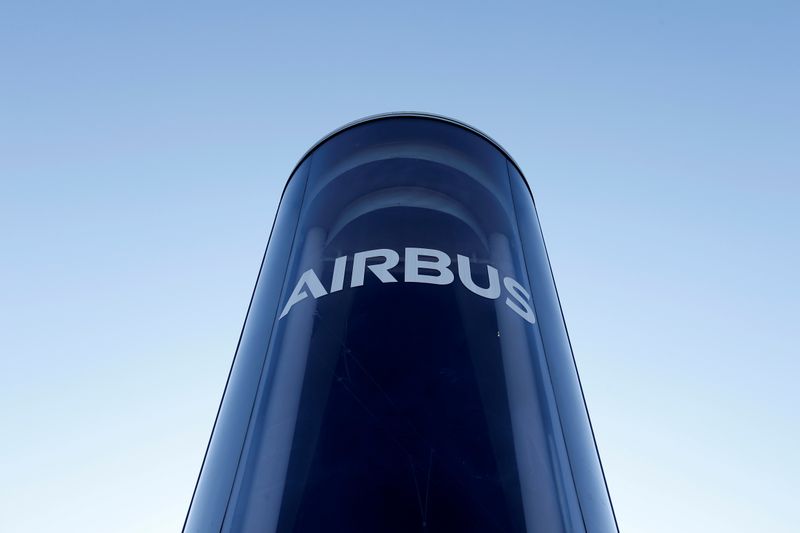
(144, 146)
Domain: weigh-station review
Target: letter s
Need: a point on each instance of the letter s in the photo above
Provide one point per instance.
(521, 306)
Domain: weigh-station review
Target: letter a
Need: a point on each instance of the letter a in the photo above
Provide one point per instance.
(310, 280)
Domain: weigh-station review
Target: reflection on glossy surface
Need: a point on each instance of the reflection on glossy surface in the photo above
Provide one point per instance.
(394, 372)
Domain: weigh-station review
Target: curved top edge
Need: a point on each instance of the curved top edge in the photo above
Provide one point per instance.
(408, 114)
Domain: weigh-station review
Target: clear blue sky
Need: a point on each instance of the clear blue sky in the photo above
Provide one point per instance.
(144, 146)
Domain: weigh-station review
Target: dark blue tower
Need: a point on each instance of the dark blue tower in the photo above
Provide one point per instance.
(404, 365)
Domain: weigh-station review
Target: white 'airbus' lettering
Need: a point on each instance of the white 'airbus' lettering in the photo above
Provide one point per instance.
(421, 265)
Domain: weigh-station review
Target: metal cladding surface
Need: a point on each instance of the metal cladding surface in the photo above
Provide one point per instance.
(404, 365)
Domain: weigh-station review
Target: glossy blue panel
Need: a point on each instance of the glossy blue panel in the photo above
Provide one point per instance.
(402, 365)
(587, 470)
(219, 467)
